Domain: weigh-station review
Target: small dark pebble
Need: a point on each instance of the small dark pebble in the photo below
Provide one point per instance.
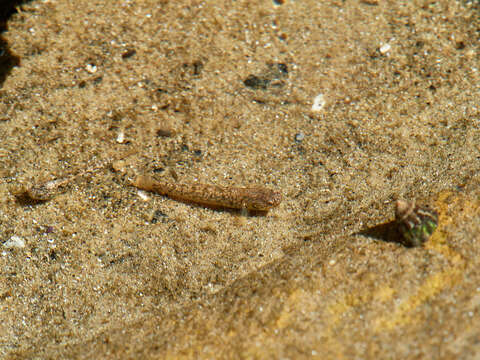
(279, 2)
(282, 68)
(197, 67)
(197, 152)
(274, 71)
(255, 82)
(299, 137)
(157, 215)
(158, 170)
(460, 45)
(53, 255)
(165, 132)
(129, 53)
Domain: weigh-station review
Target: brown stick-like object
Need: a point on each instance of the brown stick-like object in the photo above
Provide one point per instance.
(250, 198)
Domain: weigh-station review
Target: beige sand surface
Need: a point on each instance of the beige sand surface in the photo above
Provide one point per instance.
(108, 272)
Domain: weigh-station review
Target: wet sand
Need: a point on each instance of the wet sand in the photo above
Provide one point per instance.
(344, 107)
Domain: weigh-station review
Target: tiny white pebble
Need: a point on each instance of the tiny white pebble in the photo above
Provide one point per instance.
(332, 262)
(143, 195)
(318, 103)
(121, 137)
(92, 69)
(15, 242)
(385, 48)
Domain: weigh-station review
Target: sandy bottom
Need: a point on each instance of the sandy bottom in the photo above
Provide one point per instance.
(343, 106)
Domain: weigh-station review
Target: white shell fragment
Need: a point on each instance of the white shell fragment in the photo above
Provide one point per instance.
(15, 242)
(121, 137)
(143, 195)
(91, 68)
(385, 48)
(318, 103)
